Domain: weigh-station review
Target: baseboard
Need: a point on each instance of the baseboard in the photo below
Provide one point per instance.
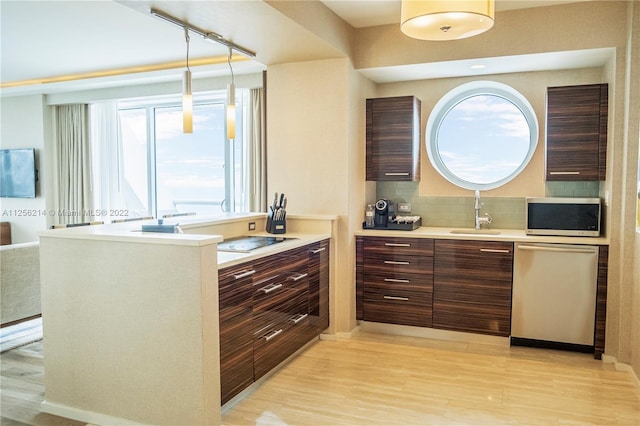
(432, 333)
(83, 415)
(334, 337)
(621, 366)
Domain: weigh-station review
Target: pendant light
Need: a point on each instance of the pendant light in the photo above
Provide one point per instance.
(231, 102)
(446, 19)
(187, 98)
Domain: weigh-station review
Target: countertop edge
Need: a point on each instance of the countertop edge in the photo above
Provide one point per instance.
(511, 235)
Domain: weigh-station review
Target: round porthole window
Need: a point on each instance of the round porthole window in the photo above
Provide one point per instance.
(481, 135)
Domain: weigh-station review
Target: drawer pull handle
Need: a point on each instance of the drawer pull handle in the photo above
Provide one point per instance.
(395, 280)
(299, 277)
(564, 173)
(397, 245)
(485, 250)
(404, 299)
(318, 250)
(395, 262)
(272, 335)
(269, 288)
(244, 274)
(299, 318)
(396, 174)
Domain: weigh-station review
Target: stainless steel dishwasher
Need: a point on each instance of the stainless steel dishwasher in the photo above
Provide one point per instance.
(554, 295)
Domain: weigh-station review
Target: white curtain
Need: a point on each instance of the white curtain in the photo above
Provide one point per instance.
(257, 159)
(107, 159)
(73, 186)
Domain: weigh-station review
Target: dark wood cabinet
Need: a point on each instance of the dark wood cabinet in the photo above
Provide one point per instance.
(576, 145)
(280, 308)
(601, 302)
(393, 139)
(395, 280)
(236, 329)
(270, 308)
(472, 286)
(319, 286)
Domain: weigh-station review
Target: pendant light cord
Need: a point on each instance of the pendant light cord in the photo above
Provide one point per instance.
(187, 39)
(229, 62)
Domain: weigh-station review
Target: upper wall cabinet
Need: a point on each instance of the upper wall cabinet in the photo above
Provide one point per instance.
(577, 133)
(393, 139)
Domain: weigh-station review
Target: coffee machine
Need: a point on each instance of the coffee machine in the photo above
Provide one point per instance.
(382, 210)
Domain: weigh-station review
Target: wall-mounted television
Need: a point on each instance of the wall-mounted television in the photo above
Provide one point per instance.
(18, 174)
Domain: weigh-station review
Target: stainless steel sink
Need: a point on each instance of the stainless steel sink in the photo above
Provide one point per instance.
(471, 231)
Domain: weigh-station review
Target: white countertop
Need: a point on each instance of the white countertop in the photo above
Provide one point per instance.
(130, 232)
(513, 235)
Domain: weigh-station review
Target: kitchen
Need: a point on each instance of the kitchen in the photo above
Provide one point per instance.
(333, 132)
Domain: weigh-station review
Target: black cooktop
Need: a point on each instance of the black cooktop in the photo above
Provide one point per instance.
(247, 243)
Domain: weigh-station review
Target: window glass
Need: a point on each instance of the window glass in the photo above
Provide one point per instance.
(168, 171)
(190, 173)
(133, 129)
(481, 135)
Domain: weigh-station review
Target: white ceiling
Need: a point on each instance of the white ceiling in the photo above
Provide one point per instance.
(54, 39)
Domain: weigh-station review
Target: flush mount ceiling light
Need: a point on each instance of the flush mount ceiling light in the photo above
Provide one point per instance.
(446, 19)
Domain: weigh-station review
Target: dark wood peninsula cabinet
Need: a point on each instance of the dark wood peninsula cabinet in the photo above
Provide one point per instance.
(235, 287)
(472, 286)
(395, 280)
(393, 139)
(269, 308)
(577, 133)
(319, 285)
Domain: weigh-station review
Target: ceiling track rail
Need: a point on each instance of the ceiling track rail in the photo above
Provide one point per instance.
(207, 35)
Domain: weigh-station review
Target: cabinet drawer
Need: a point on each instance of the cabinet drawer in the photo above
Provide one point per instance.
(274, 310)
(397, 264)
(422, 281)
(398, 246)
(398, 306)
(272, 348)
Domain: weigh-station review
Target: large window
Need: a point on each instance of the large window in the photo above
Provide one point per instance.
(481, 135)
(167, 171)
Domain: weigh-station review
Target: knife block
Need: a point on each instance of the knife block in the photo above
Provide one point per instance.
(276, 226)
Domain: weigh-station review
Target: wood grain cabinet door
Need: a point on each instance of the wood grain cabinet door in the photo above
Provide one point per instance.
(319, 286)
(236, 329)
(472, 286)
(393, 139)
(576, 145)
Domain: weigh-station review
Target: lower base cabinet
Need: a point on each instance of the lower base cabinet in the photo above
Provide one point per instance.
(397, 280)
(472, 283)
(270, 308)
(236, 329)
(454, 285)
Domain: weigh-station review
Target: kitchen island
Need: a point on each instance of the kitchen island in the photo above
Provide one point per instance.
(131, 319)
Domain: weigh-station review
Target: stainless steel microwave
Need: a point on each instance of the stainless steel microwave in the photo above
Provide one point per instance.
(579, 217)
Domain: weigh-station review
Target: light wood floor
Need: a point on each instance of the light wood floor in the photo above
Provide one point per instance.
(376, 379)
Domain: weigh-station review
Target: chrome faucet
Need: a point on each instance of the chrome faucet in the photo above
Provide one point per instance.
(481, 220)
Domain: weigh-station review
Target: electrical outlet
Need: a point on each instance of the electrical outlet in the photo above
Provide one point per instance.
(404, 207)
(252, 226)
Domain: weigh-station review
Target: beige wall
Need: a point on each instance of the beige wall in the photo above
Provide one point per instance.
(23, 125)
(315, 138)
